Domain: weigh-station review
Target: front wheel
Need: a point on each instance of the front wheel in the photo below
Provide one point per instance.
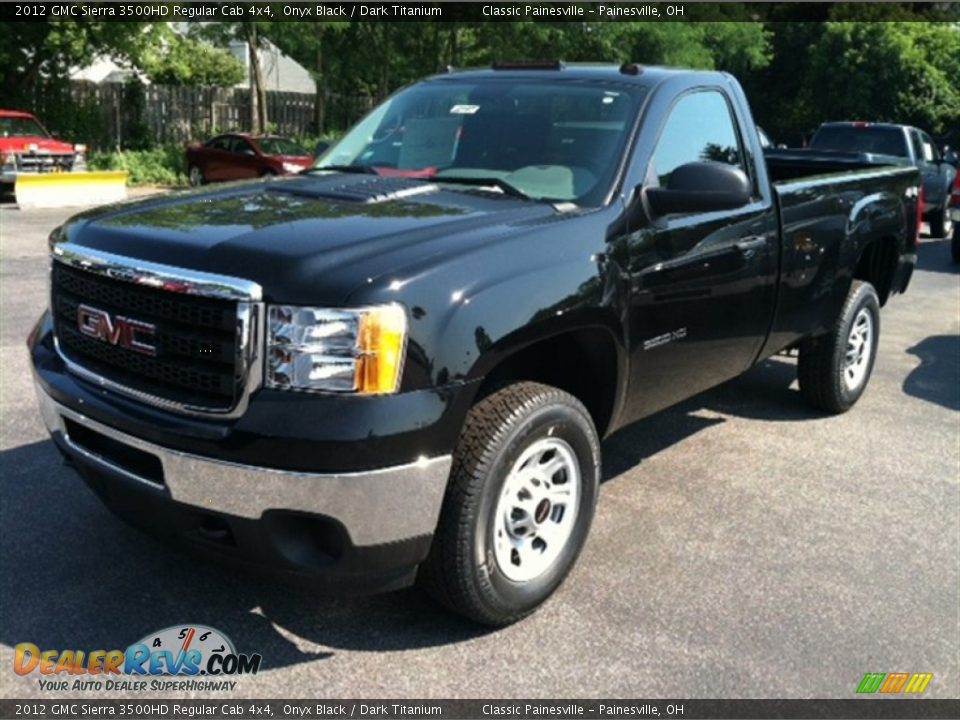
(518, 506)
(195, 176)
(834, 369)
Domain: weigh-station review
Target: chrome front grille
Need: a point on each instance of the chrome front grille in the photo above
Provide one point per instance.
(43, 162)
(202, 354)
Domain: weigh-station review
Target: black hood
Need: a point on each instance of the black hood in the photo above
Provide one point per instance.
(319, 237)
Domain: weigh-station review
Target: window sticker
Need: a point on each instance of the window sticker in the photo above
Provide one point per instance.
(464, 109)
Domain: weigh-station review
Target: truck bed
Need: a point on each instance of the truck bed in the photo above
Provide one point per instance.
(826, 215)
(794, 163)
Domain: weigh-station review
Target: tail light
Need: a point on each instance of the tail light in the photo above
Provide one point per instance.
(955, 192)
(920, 206)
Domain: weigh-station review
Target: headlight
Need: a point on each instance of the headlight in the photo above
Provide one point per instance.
(292, 167)
(336, 350)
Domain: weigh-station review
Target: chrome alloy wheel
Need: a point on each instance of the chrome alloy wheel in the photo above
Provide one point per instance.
(537, 509)
(856, 361)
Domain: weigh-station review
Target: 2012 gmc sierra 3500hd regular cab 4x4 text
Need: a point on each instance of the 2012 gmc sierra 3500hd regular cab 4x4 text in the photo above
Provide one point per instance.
(399, 364)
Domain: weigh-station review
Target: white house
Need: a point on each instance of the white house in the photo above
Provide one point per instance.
(280, 72)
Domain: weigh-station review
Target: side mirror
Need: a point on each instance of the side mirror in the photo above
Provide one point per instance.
(700, 187)
(321, 148)
(952, 158)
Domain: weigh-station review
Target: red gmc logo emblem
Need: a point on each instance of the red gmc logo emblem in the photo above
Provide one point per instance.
(120, 331)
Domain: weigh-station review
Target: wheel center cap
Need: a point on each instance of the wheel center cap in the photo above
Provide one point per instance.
(543, 511)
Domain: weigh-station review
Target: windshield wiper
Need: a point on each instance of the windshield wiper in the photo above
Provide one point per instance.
(357, 169)
(499, 183)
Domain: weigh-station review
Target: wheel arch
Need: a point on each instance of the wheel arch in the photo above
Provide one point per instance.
(588, 361)
(877, 265)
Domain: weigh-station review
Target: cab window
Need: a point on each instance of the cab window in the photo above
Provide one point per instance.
(700, 127)
(930, 152)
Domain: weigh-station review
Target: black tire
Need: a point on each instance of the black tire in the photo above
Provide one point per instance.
(955, 243)
(822, 368)
(195, 176)
(462, 571)
(940, 225)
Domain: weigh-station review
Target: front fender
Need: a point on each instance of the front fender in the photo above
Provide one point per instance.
(467, 311)
(491, 321)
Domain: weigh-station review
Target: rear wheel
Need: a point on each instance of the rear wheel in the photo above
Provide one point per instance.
(941, 226)
(519, 504)
(195, 175)
(955, 244)
(834, 369)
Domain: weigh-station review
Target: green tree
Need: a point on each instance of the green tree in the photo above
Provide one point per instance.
(309, 46)
(253, 34)
(187, 61)
(903, 72)
(33, 54)
(779, 93)
(733, 46)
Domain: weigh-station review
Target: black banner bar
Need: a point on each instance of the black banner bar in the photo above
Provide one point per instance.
(405, 11)
(477, 709)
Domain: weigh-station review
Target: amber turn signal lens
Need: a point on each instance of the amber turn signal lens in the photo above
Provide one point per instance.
(381, 338)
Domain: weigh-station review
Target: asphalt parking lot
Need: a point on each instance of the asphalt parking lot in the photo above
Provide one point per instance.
(744, 546)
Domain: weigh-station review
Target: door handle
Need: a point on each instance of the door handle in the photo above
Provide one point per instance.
(749, 246)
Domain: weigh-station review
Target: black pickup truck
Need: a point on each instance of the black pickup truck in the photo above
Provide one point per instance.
(399, 364)
(848, 145)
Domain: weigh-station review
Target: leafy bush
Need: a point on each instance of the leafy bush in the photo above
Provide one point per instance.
(164, 165)
(185, 61)
(310, 141)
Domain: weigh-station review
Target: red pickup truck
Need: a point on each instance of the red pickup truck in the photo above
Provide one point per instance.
(27, 147)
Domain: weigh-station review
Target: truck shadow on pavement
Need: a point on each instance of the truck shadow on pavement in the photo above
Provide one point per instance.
(767, 392)
(77, 577)
(937, 378)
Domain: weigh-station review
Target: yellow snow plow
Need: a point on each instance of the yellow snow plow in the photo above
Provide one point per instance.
(70, 189)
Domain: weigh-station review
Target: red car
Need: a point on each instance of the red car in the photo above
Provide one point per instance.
(27, 147)
(239, 156)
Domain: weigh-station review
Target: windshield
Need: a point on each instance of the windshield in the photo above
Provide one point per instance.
(21, 127)
(558, 141)
(876, 140)
(280, 146)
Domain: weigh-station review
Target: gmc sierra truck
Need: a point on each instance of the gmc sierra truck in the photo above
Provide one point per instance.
(399, 365)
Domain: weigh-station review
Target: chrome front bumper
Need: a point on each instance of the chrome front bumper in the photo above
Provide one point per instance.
(375, 507)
